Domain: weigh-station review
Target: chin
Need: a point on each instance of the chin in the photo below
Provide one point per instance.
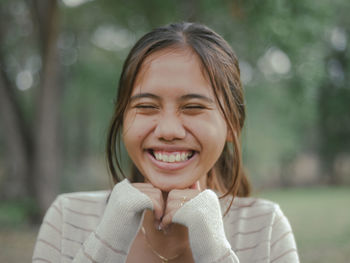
(168, 186)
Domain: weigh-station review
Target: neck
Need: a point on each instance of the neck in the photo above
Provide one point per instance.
(169, 242)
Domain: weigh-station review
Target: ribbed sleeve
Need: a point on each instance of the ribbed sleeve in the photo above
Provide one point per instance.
(283, 246)
(202, 216)
(48, 244)
(110, 241)
(84, 227)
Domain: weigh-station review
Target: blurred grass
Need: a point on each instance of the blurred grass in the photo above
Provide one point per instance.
(17, 244)
(320, 218)
(16, 212)
(17, 234)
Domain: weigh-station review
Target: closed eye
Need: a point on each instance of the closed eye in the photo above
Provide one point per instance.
(194, 106)
(194, 109)
(147, 109)
(145, 106)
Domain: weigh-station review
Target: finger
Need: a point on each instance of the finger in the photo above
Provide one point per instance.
(170, 211)
(166, 220)
(176, 199)
(156, 197)
(159, 208)
(158, 202)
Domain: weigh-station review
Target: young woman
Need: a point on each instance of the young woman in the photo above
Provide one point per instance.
(179, 113)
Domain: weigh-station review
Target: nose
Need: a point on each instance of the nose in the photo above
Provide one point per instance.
(169, 127)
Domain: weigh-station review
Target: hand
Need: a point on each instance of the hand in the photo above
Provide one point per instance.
(176, 199)
(156, 197)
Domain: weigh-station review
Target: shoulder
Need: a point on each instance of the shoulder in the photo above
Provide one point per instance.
(248, 205)
(89, 197)
(251, 210)
(257, 226)
(254, 216)
(82, 201)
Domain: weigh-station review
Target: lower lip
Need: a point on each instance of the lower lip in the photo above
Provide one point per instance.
(171, 166)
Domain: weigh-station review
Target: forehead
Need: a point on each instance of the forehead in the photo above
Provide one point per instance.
(172, 68)
(173, 54)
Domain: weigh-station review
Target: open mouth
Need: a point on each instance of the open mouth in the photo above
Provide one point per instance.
(171, 157)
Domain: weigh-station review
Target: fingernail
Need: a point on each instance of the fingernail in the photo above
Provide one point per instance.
(157, 225)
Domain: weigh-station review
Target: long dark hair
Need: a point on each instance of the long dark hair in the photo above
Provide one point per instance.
(221, 66)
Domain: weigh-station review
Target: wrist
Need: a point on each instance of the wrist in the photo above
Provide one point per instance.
(123, 215)
(203, 218)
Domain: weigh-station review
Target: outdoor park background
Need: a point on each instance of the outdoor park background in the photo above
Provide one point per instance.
(59, 67)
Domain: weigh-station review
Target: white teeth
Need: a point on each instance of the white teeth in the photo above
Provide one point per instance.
(171, 158)
(165, 158)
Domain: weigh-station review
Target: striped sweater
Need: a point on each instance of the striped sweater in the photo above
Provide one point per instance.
(101, 226)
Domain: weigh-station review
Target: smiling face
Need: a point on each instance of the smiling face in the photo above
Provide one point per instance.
(173, 129)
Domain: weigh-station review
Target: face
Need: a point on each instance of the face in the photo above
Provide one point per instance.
(173, 129)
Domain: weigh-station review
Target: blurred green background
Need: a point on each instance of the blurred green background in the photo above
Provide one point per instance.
(60, 62)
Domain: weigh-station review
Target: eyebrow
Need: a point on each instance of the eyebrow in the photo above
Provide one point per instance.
(182, 98)
(144, 95)
(196, 96)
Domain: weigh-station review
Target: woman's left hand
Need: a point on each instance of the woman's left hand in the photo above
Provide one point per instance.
(176, 199)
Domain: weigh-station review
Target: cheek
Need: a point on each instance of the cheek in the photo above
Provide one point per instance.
(135, 129)
(211, 131)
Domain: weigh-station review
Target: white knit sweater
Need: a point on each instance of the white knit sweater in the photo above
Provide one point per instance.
(101, 226)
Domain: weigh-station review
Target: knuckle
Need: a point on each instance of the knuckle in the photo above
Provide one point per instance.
(166, 219)
(175, 191)
(159, 192)
(158, 207)
(172, 194)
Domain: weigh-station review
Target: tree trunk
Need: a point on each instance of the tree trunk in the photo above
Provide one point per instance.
(46, 143)
(17, 183)
(334, 121)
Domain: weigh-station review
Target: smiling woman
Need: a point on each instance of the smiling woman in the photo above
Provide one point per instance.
(179, 112)
(170, 116)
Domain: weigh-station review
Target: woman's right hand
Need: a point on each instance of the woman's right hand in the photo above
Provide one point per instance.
(156, 197)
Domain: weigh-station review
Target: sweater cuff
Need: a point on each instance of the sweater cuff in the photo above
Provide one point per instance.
(123, 215)
(203, 218)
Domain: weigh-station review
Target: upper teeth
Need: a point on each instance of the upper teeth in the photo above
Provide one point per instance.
(171, 158)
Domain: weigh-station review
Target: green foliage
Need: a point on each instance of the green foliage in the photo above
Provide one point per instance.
(284, 112)
(16, 213)
(302, 109)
